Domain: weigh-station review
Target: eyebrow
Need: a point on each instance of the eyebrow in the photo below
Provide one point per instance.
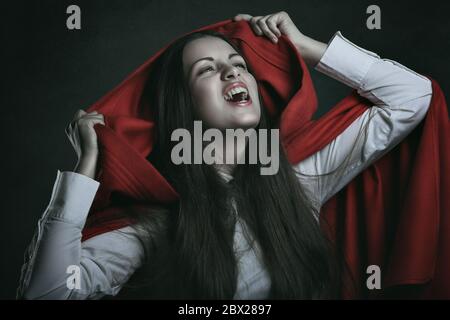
(231, 55)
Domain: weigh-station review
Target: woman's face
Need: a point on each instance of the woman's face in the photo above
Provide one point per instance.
(224, 93)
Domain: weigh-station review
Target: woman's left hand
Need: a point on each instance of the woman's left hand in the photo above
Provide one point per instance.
(273, 26)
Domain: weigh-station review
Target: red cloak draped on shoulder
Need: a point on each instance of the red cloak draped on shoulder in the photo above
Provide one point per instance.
(395, 214)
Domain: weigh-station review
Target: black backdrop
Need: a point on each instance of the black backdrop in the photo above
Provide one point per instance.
(49, 72)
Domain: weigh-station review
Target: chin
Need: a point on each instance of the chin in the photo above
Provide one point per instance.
(247, 122)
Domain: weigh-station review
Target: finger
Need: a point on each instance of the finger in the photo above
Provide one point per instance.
(242, 16)
(74, 137)
(92, 116)
(263, 25)
(89, 121)
(68, 130)
(70, 126)
(255, 27)
(86, 119)
(79, 114)
(273, 26)
(100, 121)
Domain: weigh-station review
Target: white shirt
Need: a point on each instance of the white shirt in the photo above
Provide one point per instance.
(400, 100)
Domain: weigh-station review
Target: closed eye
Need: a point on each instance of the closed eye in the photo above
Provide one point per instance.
(241, 65)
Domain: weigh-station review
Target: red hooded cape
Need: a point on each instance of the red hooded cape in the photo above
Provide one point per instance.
(395, 214)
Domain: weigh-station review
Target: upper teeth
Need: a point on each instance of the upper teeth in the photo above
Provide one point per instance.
(235, 90)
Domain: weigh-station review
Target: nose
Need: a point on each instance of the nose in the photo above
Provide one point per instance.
(231, 72)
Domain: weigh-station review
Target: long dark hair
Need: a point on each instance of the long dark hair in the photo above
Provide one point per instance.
(198, 258)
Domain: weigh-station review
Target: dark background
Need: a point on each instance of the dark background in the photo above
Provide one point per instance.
(49, 72)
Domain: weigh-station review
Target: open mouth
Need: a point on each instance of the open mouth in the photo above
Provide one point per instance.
(238, 94)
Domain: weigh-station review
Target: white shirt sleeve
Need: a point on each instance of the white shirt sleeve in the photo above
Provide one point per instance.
(400, 98)
(105, 262)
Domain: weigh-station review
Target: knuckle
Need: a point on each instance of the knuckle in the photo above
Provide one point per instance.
(78, 114)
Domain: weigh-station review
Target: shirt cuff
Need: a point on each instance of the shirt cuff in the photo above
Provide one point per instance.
(346, 62)
(72, 197)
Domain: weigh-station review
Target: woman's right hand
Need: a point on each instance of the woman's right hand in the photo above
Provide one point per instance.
(82, 136)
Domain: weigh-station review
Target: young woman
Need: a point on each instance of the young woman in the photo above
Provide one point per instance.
(234, 233)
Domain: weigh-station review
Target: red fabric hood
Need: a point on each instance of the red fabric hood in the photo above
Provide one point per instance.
(395, 214)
